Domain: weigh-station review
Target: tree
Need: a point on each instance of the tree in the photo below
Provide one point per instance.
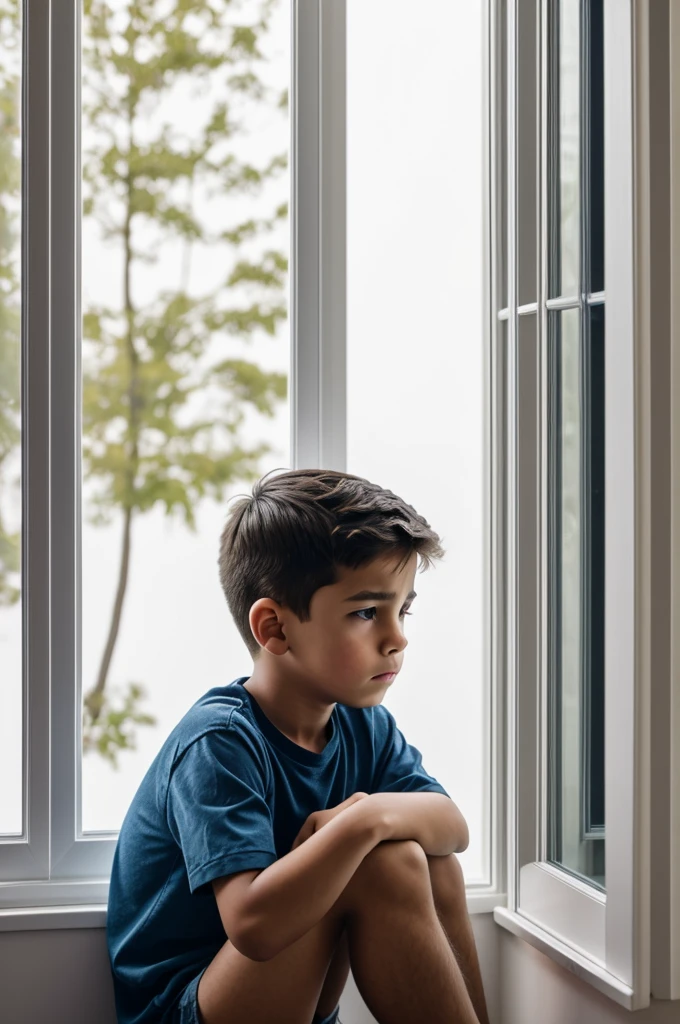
(10, 310)
(148, 363)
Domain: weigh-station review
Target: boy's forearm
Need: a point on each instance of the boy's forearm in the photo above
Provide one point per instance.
(297, 891)
(432, 819)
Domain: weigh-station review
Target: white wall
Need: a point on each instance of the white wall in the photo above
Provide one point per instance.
(532, 989)
(55, 977)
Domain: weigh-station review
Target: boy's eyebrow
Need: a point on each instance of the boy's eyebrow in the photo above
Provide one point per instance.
(378, 595)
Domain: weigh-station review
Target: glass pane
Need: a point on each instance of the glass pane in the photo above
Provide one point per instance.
(565, 155)
(576, 472)
(11, 663)
(595, 232)
(502, 153)
(527, 161)
(594, 731)
(185, 353)
(415, 376)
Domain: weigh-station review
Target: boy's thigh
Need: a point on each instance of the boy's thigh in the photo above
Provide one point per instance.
(236, 990)
(288, 988)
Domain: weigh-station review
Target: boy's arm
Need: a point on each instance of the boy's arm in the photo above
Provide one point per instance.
(292, 895)
(432, 819)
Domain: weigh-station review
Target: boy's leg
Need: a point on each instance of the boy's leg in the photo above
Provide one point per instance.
(336, 979)
(237, 990)
(448, 889)
(401, 958)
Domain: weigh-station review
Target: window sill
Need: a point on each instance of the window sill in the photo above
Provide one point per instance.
(591, 971)
(23, 919)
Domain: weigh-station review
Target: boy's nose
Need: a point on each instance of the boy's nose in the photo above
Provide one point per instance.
(396, 641)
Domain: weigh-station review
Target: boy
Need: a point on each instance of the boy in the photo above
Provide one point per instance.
(286, 828)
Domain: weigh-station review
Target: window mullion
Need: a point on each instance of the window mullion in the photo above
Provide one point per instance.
(71, 857)
(333, 231)
(64, 396)
(318, 278)
(305, 256)
(27, 856)
(625, 696)
(545, 603)
(511, 462)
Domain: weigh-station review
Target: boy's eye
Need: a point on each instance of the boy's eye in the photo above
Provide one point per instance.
(370, 613)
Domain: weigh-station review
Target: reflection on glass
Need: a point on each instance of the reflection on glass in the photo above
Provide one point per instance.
(11, 714)
(576, 738)
(185, 361)
(594, 696)
(528, 89)
(596, 143)
(565, 171)
(502, 154)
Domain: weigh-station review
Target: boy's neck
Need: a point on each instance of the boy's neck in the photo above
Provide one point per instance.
(295, 713)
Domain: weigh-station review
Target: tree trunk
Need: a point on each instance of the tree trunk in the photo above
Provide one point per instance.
(94, 698)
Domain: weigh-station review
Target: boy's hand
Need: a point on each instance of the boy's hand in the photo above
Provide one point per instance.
(317, 819)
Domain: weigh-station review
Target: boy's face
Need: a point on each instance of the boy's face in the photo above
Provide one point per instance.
(351, 640)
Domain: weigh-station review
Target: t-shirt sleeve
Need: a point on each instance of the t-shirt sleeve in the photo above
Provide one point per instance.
(399, 765)
(217, 807)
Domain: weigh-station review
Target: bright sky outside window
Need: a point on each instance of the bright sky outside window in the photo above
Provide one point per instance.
(415, 353)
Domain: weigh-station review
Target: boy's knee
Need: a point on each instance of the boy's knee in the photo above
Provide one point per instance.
(398, 852)
(389, 863)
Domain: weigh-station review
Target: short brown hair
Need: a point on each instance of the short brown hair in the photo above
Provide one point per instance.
(288, 538)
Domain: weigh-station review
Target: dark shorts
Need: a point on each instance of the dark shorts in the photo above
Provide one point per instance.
(187, 1008)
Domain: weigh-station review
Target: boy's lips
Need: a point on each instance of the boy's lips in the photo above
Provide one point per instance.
(385, 675)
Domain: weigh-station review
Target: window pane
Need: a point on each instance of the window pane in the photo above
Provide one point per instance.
(576, 708)
(11, 688)
(527, 161)
(501, 170)
(594, 694)
(595, 233)
(565, 154)
(415, 377)
(185, 353)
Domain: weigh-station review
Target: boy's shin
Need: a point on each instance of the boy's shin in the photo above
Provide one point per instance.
(448, 890)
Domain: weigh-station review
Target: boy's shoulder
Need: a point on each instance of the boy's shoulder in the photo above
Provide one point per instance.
(221, 710)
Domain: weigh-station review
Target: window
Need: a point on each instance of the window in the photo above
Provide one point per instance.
(185, 354)
(154, 284)
(416, 358)
(569, 166)
(154, 277)
(575, 465)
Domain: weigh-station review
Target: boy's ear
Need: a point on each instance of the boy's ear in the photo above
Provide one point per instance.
(267, 627)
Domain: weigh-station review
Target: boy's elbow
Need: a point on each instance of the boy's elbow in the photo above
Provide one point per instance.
(249, 945)
(257, 940)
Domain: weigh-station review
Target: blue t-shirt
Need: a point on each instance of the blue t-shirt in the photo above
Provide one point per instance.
(227, 792)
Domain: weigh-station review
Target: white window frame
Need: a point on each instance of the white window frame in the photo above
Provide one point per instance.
(610, 940)
(53, 876)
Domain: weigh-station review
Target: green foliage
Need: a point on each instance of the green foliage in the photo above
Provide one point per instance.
(10, 379)
(161, 422)
(112, 730)
(164, 395)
